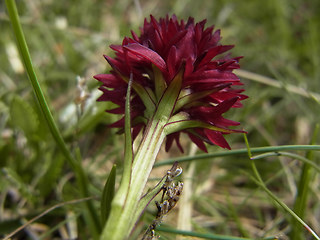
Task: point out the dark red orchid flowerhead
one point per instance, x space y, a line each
167 50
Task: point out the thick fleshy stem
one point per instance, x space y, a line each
123 214
121 220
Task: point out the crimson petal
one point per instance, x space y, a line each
173 46
109 80
216 138
198 142
148 54
214 52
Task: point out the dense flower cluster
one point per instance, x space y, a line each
164 49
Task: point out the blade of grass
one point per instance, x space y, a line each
283 205
258 180
240 152
205 235
235 216
46 235
274 83
287 154
300 204
75 165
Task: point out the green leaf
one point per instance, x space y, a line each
15 180
190 98
179 122
146 94
23 116
107 195
160 83
169 98
239 152
128 151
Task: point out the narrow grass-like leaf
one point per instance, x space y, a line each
234 214
258 180
107 195
284 206
238 152
274 83
13 14
178 123
300 204
182 101
53 229
75 165
169 97
147 96
128 153
160 83
291 155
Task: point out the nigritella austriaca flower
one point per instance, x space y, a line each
182 82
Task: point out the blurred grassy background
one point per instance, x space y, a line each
279 39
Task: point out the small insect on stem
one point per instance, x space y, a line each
171 193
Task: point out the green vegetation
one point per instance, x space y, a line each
57 179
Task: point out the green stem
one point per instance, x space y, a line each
75 165
123 217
